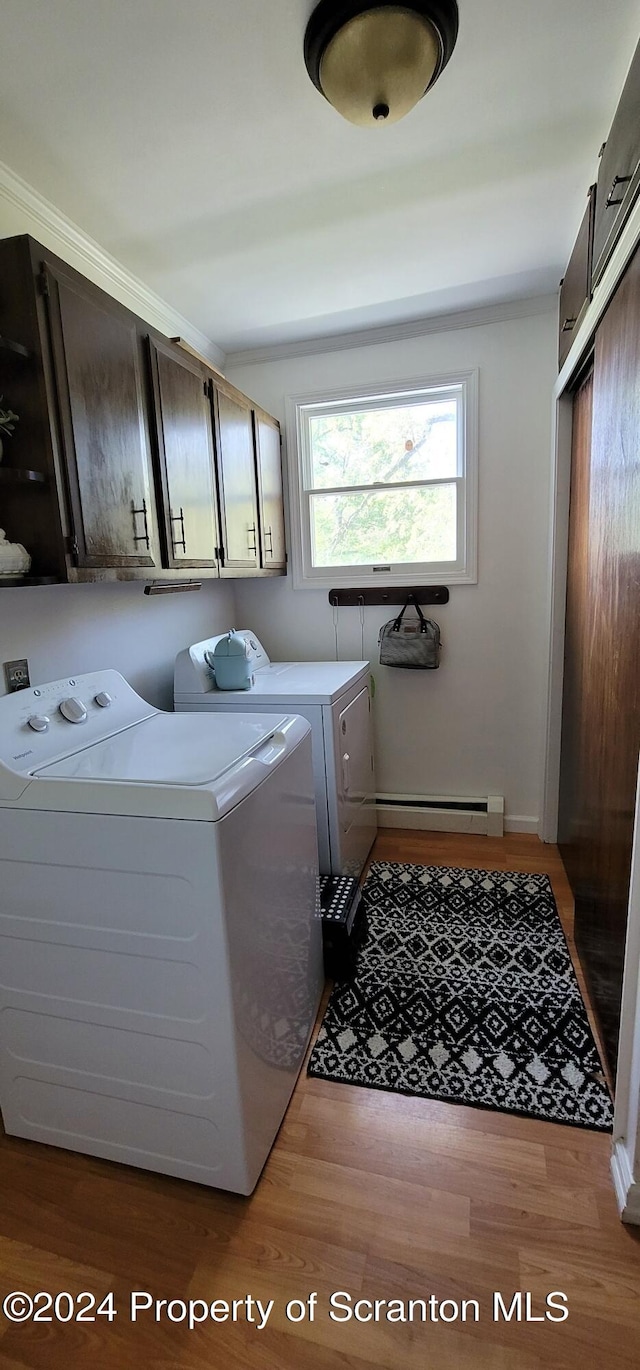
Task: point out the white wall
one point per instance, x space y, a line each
67 629
475 727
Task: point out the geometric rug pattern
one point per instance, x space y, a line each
464 991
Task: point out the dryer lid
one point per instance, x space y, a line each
287 684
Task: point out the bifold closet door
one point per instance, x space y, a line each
576 703
601 716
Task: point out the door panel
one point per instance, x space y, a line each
603 659
575 289
269 468
353 753
185 444
237 477
99 382
575 704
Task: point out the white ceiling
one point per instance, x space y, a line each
186 137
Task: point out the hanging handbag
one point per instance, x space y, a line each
414 645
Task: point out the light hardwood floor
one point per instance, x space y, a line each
378 1195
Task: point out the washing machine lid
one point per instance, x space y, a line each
170 766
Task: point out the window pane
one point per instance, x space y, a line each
416 441
384 526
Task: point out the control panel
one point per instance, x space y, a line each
41 725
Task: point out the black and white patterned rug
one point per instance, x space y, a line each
465 992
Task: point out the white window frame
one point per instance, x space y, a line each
302 407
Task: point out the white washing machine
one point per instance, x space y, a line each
334 696
160 949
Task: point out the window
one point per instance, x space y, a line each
384 485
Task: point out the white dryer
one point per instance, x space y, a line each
159 938
335 698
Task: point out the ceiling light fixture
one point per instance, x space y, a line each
373 60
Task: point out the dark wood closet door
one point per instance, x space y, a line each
104 428
575 704
602 691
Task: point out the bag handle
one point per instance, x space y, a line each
398 621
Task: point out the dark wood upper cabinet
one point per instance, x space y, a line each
619 174
270 501
237 479
186 459
575 289
99 385
132 460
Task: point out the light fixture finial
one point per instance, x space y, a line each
374 60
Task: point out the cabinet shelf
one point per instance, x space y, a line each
15 348
8 582
13 475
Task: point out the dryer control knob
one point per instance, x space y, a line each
103 700
73 710
39 723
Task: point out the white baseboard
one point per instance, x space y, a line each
443 820
521 823
431 820
627 1189
438 817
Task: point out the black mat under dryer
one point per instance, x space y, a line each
465 991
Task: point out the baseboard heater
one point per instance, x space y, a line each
440 813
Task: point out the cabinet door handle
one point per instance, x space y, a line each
253 547
617 181
269 535
568 326
140 537
178 542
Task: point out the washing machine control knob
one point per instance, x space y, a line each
103 700
73 710
39 723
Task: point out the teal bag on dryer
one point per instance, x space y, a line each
230 664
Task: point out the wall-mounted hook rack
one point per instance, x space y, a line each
421 594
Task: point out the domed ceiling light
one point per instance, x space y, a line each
373 60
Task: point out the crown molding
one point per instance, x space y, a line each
37 216
499 312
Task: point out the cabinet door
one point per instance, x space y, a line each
575 289
619 173
237 480
185 446
269 469
104 429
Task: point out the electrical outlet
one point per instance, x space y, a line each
16 674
